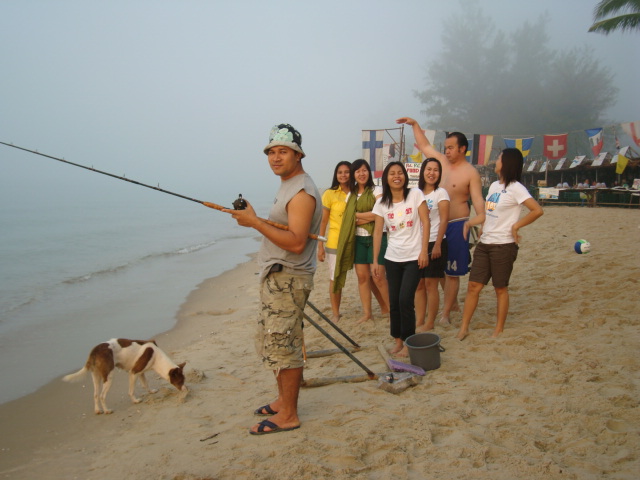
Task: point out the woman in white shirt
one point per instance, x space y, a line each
404 213
438 201
497 250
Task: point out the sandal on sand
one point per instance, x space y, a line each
274 428
268 411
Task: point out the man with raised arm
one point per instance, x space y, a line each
462 181
287 260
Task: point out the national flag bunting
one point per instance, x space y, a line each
372 150
621 164
577 161
555 146
388 154
431 136
482 151
416 157
595 139
633 130
522 144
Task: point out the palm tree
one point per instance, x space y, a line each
626 21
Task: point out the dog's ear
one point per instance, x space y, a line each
181 366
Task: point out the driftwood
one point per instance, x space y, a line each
385 354
331 351
320 382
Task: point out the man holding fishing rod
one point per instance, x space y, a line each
287 264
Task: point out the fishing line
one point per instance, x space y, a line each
239 204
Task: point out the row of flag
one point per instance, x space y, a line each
479 151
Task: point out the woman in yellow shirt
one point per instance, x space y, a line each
334 202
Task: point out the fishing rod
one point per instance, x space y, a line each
239 204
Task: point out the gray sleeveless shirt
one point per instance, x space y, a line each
271 254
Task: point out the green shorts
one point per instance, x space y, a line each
364 250
279 337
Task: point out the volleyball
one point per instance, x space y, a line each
582 246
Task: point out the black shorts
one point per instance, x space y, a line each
493 262
436 266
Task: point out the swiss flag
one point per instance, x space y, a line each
555 146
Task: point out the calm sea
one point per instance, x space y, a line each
75 273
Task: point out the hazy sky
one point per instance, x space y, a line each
184 93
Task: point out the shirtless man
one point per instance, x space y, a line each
462 181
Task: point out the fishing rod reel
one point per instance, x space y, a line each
239 203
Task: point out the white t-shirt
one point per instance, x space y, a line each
502 207
404 229
433 199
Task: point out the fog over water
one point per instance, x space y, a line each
183 94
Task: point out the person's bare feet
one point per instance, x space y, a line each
444 321
396 348
426 327
462 334
496 333
403 353
365 318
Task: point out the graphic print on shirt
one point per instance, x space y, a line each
492 202
396 220
430 203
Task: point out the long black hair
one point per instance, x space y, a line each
512 162
357 165
421 181
387 197
335 184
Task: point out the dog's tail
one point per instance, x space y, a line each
74 377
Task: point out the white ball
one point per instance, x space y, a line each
582 246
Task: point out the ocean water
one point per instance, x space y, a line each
75 273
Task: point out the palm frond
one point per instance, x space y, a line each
622 23
608 7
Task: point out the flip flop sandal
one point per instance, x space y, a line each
274 428
269 411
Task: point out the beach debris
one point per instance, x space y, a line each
195 375
320 382
397 382
398 366
213 435
330 351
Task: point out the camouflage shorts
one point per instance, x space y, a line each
279 337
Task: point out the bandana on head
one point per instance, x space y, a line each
285 135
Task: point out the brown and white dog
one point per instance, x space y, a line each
133 356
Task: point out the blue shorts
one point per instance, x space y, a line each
458 256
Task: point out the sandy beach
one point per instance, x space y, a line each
556 396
